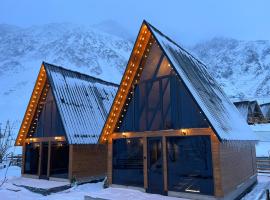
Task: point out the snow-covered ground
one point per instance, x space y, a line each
8 191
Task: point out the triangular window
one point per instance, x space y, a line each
159 100
46 121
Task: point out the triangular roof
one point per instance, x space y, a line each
222 115
265 108
248 107
83 103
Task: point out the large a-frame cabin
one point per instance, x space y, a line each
62 124
172 130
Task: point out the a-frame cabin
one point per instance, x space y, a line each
62 124
251 111
172 130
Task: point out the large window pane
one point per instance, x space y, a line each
59 160
31 158
190 164
128 162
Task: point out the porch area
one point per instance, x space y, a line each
46 159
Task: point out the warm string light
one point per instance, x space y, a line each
124 88
133 86
31 108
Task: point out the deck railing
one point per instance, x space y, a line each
263 165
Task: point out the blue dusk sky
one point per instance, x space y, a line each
187 21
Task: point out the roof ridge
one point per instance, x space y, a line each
79 74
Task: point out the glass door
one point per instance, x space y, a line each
155 165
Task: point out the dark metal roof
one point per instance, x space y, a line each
83 102
223 116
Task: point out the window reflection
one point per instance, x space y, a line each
128 162
190 164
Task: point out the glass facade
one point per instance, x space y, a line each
49 123
160 101
189 162
128 162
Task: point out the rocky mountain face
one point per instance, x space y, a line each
241 67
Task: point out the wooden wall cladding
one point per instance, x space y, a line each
88 162
238 161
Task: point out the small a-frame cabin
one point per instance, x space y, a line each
62 124
265 108
172 130
251 111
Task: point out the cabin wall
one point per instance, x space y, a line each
88 162
238 161
215 148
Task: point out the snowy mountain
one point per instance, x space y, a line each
22 50
241 67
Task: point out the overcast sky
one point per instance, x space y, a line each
187 21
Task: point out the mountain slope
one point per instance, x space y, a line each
83 49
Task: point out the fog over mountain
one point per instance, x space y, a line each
241 67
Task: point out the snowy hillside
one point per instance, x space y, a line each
85 49
241 67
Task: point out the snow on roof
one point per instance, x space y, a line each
83 102
265 108
224 117
245 107
261 127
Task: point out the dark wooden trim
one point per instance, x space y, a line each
23 158
49 159
39 159
145 171
70 162
165 167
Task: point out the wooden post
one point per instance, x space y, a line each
165 167
23 158
39 159
145 170
49 159
215 147
70 162
110 157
